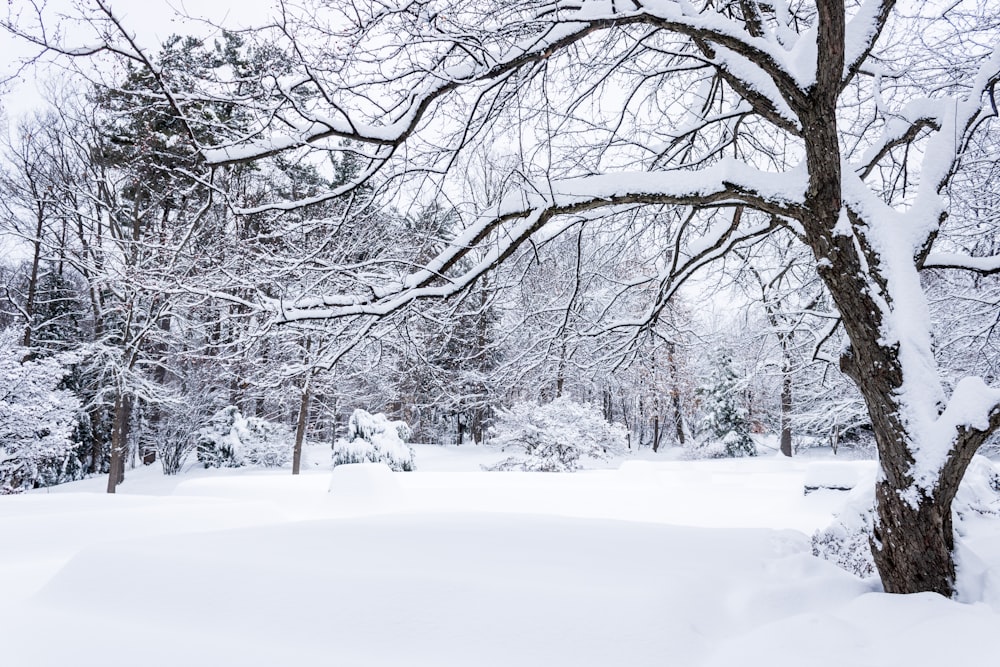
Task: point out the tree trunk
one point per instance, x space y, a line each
96 446
119 441
912 543
914 540
786 401
29 304
675 394
300 427
560 372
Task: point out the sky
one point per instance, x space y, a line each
152 21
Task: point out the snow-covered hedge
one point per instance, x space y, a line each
36 419
553 437
374 438
845 542
231 440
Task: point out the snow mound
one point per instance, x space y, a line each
830 475
640 472
369 486
480 589
873 629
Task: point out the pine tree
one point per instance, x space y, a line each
725 428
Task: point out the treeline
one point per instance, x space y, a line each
153 283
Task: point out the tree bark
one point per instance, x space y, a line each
913 539
36 257
300 427
119 441
786 401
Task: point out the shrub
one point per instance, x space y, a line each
231 440
553 437
374 438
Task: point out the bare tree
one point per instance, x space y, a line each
623 106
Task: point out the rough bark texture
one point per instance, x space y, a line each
786 400
119 441
914 539
913 543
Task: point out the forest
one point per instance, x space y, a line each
722 227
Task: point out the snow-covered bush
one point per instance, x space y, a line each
846 542
231 440
171 435
375 439
36 419
553 437
724 429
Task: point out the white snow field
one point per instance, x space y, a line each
657 562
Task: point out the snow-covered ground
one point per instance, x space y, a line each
652 562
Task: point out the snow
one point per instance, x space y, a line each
832 475
656 561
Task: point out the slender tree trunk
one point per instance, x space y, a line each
36 256
96 448
786 399
561 371
300 426
675 394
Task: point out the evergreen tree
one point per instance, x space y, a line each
36 420
725 428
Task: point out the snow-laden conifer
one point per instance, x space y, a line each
374 438
36 418
725 428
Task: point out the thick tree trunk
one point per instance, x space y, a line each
913 540
119 441
919 557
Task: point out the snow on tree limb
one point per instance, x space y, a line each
767 72
515 219
986 266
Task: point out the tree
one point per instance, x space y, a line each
36 419
746 116
231 440
374 438
725 428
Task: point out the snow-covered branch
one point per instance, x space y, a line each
515 219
